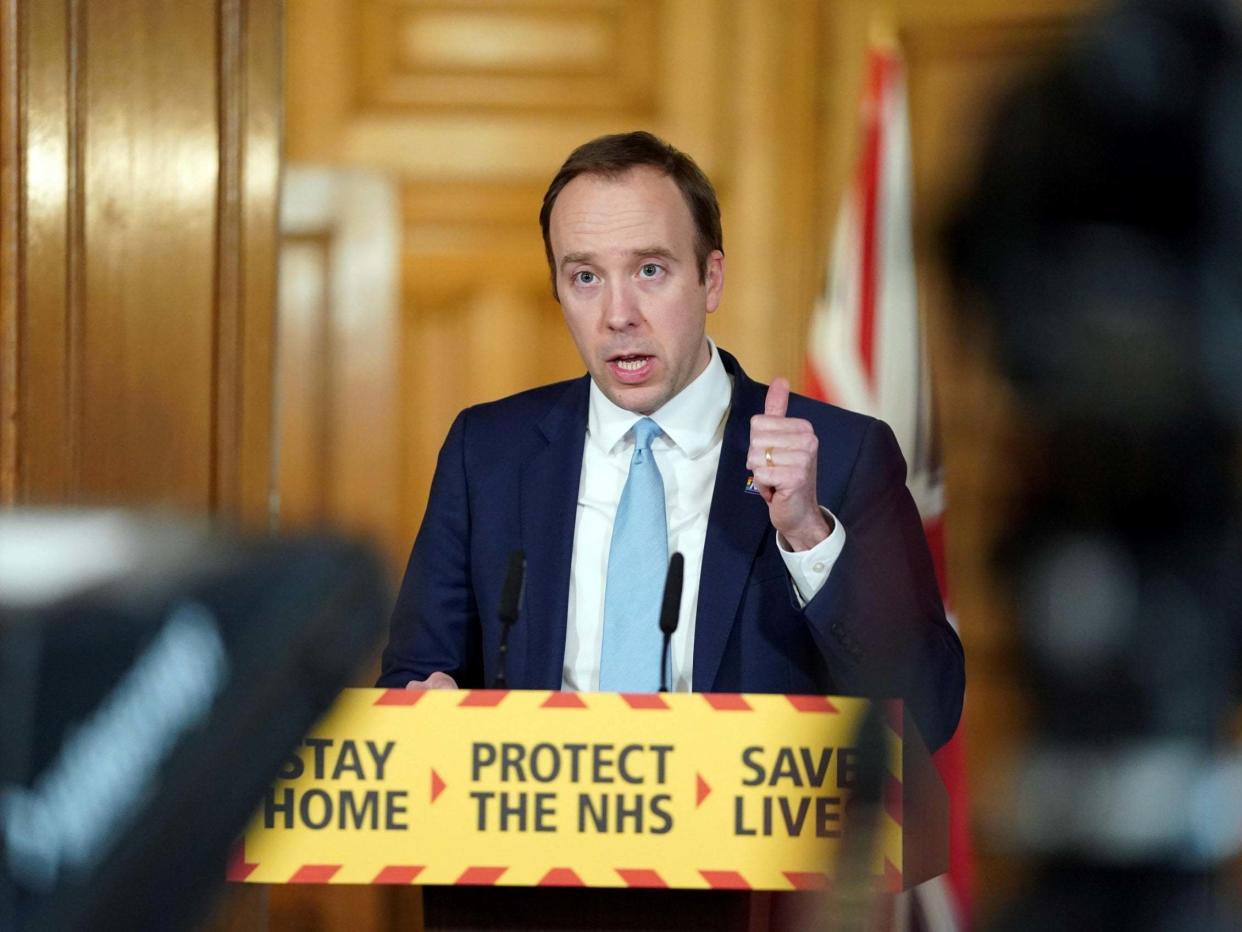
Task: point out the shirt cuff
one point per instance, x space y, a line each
809 569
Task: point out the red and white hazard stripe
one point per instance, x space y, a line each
867 353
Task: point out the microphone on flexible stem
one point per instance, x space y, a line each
669 611
510 605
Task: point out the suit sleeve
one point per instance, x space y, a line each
435 624
878 620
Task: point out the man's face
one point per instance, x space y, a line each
629 287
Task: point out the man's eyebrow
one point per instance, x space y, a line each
662 252
571 257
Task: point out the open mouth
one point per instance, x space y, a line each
631 368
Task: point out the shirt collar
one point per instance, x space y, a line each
693 419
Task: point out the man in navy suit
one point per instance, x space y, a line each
806 567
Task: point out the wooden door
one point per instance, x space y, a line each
137 233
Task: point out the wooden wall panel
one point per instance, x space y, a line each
42 155
523 55
150 165
10 222
337 432
303 377
769 186
252 110
140 142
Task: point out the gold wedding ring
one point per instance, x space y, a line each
767 456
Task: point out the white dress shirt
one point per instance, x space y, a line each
687 453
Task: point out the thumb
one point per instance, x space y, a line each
778 398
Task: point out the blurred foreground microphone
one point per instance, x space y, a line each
153 676
510 607
669 611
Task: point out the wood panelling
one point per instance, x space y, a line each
142 326
38 220
770 185
519 56
10 224
140 168
248 221
337 430
660 65
303 381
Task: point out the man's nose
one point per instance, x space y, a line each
621 307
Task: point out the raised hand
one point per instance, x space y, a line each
783 455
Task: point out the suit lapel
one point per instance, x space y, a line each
549 499
736 525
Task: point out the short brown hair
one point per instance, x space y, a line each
613 156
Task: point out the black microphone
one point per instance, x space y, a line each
670 610
510 605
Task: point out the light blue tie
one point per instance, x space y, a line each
637 564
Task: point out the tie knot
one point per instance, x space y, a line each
645 431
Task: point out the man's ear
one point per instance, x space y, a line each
714 279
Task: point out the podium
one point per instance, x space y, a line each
531 809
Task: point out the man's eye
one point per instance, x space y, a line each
584 277
649 270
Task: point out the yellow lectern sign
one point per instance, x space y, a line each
592 789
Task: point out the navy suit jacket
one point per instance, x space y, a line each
508 478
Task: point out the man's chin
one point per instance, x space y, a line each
642 399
